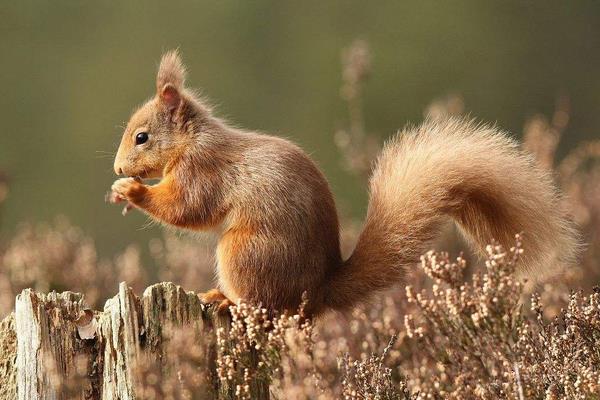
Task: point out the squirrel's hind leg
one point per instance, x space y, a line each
215 296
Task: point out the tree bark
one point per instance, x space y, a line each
55 348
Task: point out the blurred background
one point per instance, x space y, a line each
72 72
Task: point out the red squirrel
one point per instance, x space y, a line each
277 217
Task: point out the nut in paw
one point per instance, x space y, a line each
129 188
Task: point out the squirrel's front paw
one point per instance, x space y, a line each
130 189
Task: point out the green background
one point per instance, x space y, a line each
71 73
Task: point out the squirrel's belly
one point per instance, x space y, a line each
272 271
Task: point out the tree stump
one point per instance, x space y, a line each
54 347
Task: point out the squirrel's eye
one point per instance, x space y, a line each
141 138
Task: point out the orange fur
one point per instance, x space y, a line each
277 215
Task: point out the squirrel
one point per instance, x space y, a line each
279 230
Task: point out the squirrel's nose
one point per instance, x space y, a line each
118 170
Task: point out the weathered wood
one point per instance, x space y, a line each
65 351
8 358
46 342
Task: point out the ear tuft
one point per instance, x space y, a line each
170 72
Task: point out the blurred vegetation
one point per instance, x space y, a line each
73 71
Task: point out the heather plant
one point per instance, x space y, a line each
370 378
578 175
259 349
468 329
480 343
357 147
45 257
59 256
459 338
182 371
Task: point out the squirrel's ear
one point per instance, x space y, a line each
169 96
170 79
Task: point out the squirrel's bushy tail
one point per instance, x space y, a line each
472 173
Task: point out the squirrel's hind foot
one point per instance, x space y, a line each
215 296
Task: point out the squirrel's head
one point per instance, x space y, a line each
159 130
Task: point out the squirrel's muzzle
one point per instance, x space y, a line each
118 167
